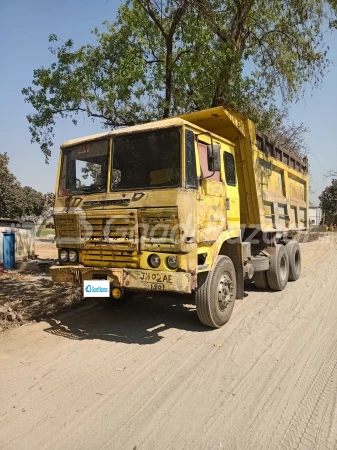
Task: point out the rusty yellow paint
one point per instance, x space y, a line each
157 280
128 278
166 123
268 195
58 172
78 273
217 120
159 230
270 190
67 230
62 275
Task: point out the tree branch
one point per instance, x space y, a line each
109 120
180 54
150 11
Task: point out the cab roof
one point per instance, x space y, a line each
133 129
165 123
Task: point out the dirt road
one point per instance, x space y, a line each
148 376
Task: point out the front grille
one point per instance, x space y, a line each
159 229
110 239
66 228
102 256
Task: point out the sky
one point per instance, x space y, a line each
24 29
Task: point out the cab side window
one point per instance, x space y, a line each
230 173
205 173
190 162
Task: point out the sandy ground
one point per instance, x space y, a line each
149 376
45 248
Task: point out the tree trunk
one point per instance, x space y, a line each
168 77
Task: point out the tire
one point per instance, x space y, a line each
278 272
260 263
294 255
260 280
113 303
216 293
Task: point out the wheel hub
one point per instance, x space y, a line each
225 292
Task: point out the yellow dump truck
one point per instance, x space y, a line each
193 204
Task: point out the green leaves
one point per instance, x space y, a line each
328 203
17 201
164 59
53 37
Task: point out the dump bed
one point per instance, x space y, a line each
273 182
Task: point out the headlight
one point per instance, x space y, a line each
72 256
64 255
153 260
172 262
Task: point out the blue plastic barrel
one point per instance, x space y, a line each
8 250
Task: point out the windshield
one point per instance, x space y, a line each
84 168
146 160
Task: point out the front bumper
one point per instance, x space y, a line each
148 280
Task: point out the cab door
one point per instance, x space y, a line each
228 174
211 203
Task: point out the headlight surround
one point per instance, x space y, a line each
153 261
64 255
172 262
72 256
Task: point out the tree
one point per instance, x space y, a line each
17 201
93 171
33 201
332 173
49 201
283 39
287 135
11 195
164 59
328 202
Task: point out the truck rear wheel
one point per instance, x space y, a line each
278 271
260 280
260 263
294 255
216 293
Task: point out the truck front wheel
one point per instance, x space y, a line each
216 293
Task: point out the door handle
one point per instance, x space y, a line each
228 204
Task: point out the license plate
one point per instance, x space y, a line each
157 280
155 277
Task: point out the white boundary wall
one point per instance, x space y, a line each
24 238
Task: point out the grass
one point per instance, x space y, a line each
45 232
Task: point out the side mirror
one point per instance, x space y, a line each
213 157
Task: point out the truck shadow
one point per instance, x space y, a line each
143 321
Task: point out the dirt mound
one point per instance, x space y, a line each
33 296
8 315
